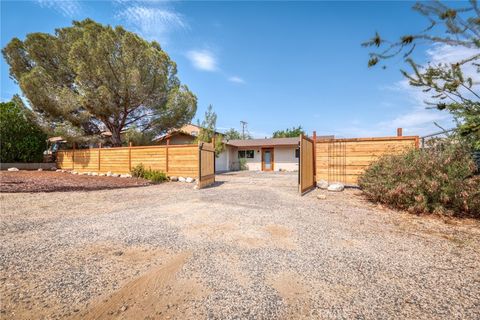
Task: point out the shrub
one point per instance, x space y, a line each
243 164
154 176
21 139
438 180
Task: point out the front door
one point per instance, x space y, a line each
267 159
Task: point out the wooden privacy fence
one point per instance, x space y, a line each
343 160
174 160
206 168
306 172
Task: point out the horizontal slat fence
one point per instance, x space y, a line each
357 153
174 160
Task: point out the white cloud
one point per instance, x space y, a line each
68 8
152 23
202 60
236 79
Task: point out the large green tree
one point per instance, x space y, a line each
208 130
456 25
289 133
89 77
21 140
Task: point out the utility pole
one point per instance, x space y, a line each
244 125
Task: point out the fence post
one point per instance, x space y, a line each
200 145
130 156
166 156
399 132
315 156
73 157
99 147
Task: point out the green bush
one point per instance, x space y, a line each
243 164
20 137
438 180
154 176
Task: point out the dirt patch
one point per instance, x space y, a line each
44 181
157 293
294 291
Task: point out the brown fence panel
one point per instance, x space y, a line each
174 160
344 160
306 172
206 170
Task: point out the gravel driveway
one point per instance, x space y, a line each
248 248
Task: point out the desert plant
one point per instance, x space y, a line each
138 171
437 180
243 164
154 176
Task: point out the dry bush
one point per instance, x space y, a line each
438 180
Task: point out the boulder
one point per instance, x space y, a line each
322 184
102 174
40 169
116 175
321 196
53 168
189 180
109 173
58 170
94 174
181 179
336 187
174 178
74 172
13 169
126 175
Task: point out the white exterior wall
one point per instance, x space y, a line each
222 161
284 158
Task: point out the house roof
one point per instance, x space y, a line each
268 142
263 142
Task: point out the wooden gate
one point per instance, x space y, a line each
306 171
206 166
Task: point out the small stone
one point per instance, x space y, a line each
109 173
181 179
40 169
336 187
13 169
321 196
322 184
116 175
53 168
74 172
126 175
118 253
189 180
102 174
174 178
124 308
58 170
94 174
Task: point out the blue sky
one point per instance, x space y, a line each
272 64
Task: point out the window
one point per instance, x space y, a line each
297 153
242 154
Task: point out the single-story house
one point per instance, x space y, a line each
269 154
274 154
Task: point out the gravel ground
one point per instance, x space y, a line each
47 181
247 248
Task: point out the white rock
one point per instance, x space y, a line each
58 170
74 172
53 168
189 180
83 173
94 174
322 184
116 175
336 187
173 178
109 173
102 174
126 175
181 179
13 169
321 196
40 169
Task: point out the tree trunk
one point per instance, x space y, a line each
116 138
